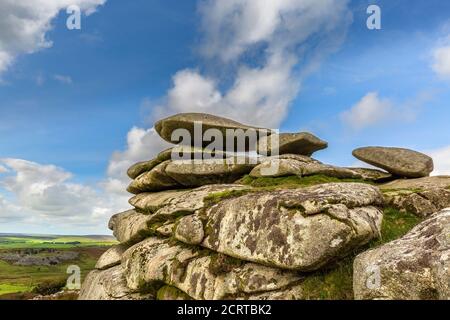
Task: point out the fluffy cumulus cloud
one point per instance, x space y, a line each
441 158
369 111
45 195
141 144
373 110
441 61
24 24
277 34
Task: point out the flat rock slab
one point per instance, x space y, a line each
191 201
200 173
302 167
150 202
109 284
111 257
154 180
302 143
186 121
175 153
401 162
422 203
441 182
200 274
414 267
301 229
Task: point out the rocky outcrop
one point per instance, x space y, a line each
302 143
215 225
415 267
401 162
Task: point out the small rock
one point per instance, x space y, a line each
153 180
190 230
111 257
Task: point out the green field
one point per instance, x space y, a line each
55 242
23 279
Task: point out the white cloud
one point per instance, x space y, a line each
441 61
259 94
373 110
275 31
370 110
24 25
3 169
63 79
141 145
441 158
45 195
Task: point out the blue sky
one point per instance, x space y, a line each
73 114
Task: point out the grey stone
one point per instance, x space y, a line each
167 126
153 180
398 161
109 284
302 143
111 257
200 173
200 276
130 226
414 267
297 229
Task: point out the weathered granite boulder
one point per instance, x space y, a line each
189 229
200 274
295 166
111 257
130 226
186 121
155 212
154 180
175 153
414 267
297 229
190 201
109 284
401 162
200 173
302 143
149 202
421 203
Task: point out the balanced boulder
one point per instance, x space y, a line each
187 121
302 143
401 162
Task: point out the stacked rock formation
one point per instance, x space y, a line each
197 232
